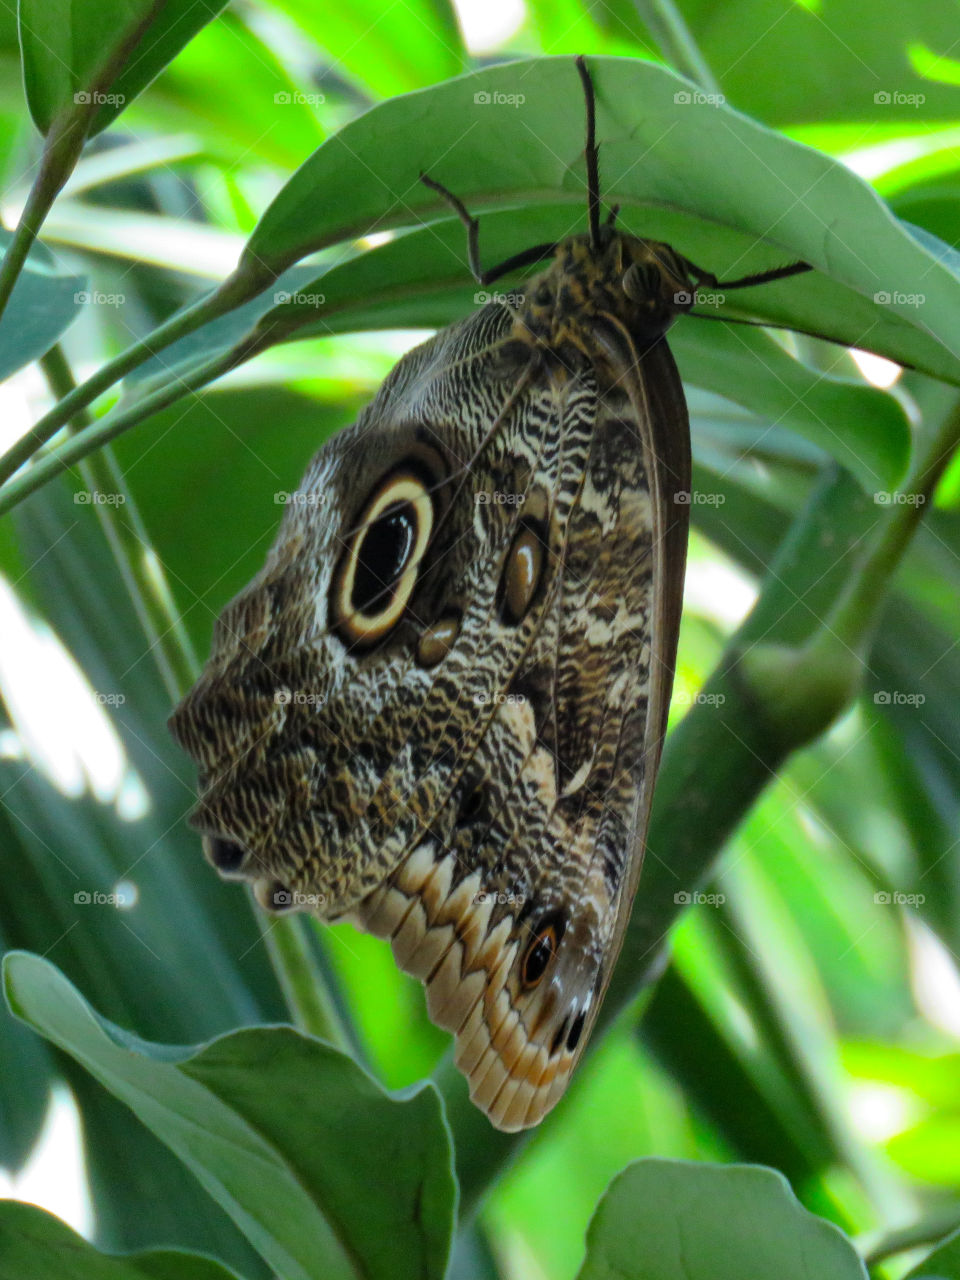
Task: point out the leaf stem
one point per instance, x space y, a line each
235 290
857 613
929 1230
120 420
675 41
305 985
62 148
60 154
147 587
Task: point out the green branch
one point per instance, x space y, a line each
146 584
59 158
122 419
234 291
930 1230
676 43
63 145
304 984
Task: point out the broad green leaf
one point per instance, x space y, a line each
289 1135
619 1107
388 50
229 87
100 52
697 176
404 284
676 1220
37 1245
56 844
144 1196
45 301
932 206
788 63
863 428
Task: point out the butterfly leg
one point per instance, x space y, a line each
538 252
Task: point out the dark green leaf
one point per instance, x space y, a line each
45 301
406 284
524 146
100 51
289 1135
942 1264
675 1220
34 1245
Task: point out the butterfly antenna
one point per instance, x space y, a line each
592 155
766 277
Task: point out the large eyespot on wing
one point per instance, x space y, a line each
378 569
540 950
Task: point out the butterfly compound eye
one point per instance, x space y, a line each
378 570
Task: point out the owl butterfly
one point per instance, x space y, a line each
438 709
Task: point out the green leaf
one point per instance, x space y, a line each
290 1136
696 176
45 301
761 1113
677 1220
100 52
387 50
400 284
847 60
942 1264
185 919
863 428
232 89
37 1245
24 1088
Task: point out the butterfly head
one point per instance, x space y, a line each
641 285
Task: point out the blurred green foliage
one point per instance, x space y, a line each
805 1014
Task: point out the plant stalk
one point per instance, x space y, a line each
234 291
120 420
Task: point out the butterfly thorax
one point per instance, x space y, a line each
642 285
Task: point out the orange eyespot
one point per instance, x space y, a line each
378 570
540 951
